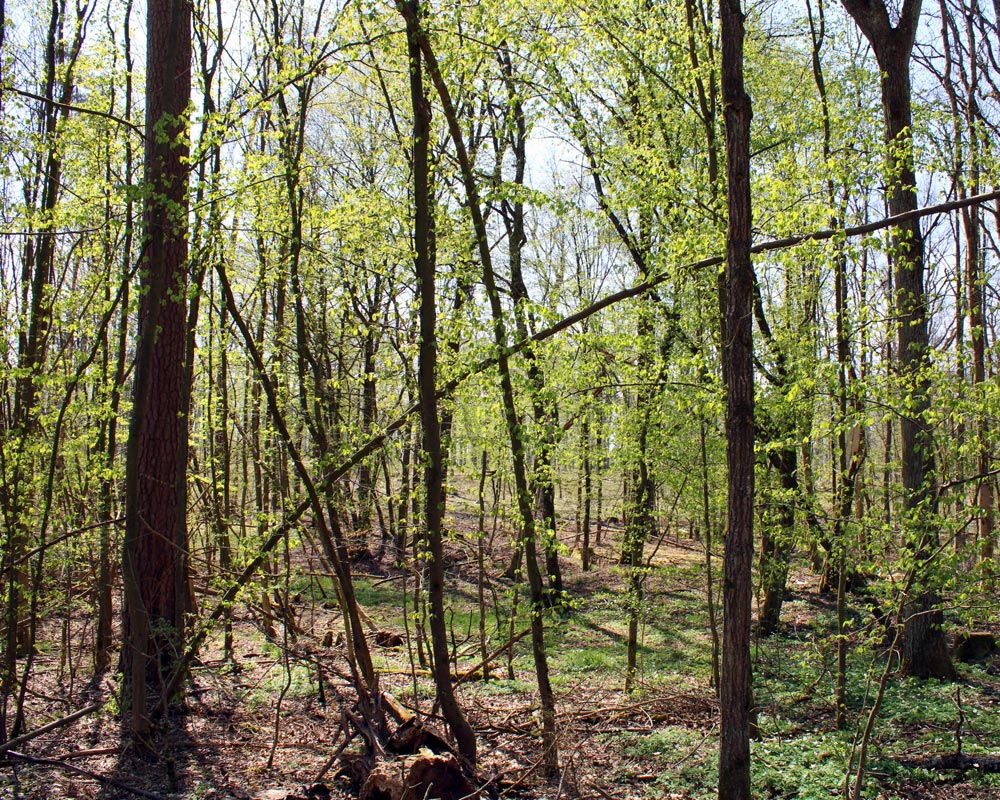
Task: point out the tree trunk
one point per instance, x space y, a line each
155 555
587 489
512 422
427 369
42 193
544 415
105 608
924 648
735 689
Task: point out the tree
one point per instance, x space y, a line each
511 420
925 648
430 420
736 695
154 564
969 48
42 194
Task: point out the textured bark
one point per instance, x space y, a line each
735 689
155 554
924 647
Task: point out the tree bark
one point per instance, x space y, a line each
735 689
155 553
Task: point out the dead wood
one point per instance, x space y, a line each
69 718
416 777
973 646
413 736
957 761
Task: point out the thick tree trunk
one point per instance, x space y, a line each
735 694
155 554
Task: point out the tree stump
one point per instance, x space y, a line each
416 777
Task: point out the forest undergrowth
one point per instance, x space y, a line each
267 724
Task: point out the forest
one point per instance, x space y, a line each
546 400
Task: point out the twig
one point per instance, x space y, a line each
97 751
51 762
336 754
694 750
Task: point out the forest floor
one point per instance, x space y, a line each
267 723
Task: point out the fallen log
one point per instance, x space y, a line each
956 761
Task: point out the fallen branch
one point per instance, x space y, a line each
97 751
959 761
51 762
500 650
27 737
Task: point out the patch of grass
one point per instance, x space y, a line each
385 596
673 635
509 687
263 693
809 766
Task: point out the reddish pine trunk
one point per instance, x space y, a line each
155 568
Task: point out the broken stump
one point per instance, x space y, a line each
419 776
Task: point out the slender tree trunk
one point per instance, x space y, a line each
513 424
587 489
106 496
775 545
42 193
544 416
481 566
967 126
924 648
706 519
736 695
430 420
221 464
